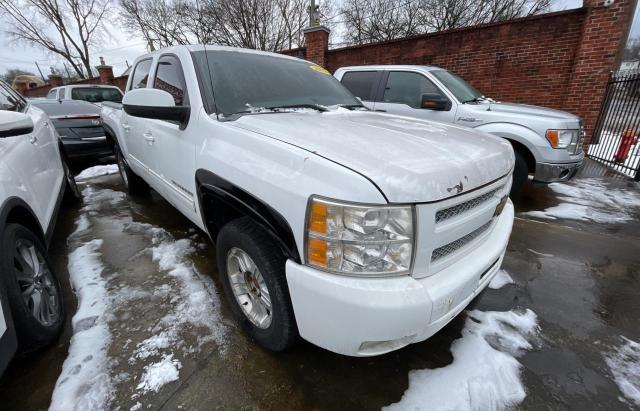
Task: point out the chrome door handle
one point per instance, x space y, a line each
46 124
149 137
126 127
33 139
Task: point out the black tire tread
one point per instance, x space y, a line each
136 184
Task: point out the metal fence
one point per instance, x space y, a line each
615 137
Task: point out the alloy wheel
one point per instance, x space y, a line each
249 288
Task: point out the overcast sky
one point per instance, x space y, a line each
118 47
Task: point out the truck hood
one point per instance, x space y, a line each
522 112
409 160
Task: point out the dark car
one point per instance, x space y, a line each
78 123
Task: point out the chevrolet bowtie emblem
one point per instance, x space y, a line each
458 187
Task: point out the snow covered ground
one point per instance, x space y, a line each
591 200
107 339
501 279
624 363
610 142
484 374
97 171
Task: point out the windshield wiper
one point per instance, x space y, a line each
476 100
311 106
353 106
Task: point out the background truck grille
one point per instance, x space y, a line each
461 208
454 246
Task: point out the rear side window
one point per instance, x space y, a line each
407 88
96 94
140 74
361 83
170 78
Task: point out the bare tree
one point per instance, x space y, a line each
380 20
64 27
162 23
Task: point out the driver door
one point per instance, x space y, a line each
403 94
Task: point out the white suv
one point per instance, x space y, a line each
33 180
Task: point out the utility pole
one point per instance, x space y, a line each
40 71
313 14
67 70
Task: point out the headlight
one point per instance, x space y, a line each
354 239
562 138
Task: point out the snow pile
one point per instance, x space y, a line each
158 374
624 363
97 171
484 374
84 382
501 279
590 199
97 200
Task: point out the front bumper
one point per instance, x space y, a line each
552 172
94 147
371 316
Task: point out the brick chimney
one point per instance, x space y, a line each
317 44
55 80
105 72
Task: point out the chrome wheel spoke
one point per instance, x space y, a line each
249 288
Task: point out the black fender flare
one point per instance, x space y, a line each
222 201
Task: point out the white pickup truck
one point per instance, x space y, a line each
359 231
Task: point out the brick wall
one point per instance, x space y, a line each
560 60
106 77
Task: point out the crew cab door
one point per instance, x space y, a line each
33 158
363 84
172 157
135 128
409 93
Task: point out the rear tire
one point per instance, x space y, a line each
71 192
264 282
33 291
520 174
132 182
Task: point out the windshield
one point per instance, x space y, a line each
248 82
96 94
462 90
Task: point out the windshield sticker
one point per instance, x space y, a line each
319 69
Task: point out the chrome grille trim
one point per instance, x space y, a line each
454 246
450 212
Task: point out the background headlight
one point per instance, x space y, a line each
562 138
353 239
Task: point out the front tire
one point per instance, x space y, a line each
33 291
132 182
252 268
520 174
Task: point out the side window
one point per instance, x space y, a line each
361 83
170 78
407 88
52 94
140 74
10 100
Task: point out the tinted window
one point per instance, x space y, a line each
141 74
96 94
407 88
460 88
170 78
245 82
361 83
52 94
66 107
10 100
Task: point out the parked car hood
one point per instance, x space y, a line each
409 160
519 113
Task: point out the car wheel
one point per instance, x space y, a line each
33 290
71 191
253 276
520 174
133 183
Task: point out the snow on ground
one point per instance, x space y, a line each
97 171
624 362
590 199
84 382
501 279
158 374
484 374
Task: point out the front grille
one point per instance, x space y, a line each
461 208
454 246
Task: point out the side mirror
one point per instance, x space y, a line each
14 124
155 104
435 102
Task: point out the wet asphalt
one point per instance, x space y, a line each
581 279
